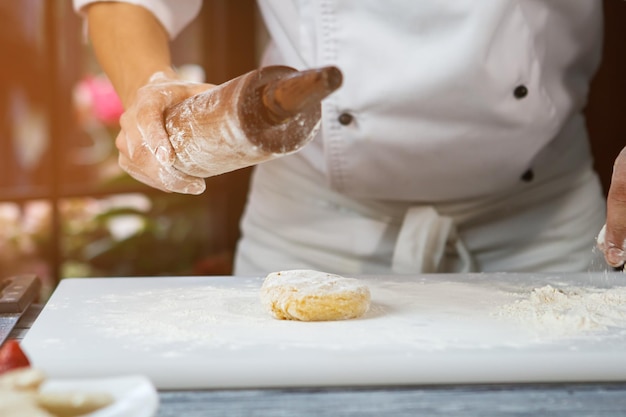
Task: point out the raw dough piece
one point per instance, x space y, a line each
71 404
23 379
20 396
308 295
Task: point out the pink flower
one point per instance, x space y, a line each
97 93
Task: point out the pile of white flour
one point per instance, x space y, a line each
554 313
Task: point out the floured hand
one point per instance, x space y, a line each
612 238
145 151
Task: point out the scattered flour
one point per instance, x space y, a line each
175 316
409 316
556 313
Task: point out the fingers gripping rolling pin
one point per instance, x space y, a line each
253 118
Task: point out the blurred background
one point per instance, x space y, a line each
67 210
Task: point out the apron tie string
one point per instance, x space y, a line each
428 243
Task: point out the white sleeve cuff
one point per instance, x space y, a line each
174 15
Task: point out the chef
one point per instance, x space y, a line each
457 142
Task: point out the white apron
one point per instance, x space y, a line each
427 175
293 220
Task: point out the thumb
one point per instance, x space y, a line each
615 237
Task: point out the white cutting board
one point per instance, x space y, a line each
211 332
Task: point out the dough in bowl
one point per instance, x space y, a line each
308 295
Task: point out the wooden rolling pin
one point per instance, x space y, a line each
261 115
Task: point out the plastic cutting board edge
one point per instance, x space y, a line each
211 332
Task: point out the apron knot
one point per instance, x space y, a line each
428 243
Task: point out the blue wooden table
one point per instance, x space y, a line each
553 400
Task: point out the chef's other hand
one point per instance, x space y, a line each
145 151
612 238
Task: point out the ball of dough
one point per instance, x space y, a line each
308 295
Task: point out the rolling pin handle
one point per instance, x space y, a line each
295 93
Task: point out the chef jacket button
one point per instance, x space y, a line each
345 118
520 91
528 176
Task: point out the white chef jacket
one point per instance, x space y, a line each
459 123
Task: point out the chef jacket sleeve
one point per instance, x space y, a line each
174 15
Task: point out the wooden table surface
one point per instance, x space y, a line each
536 400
